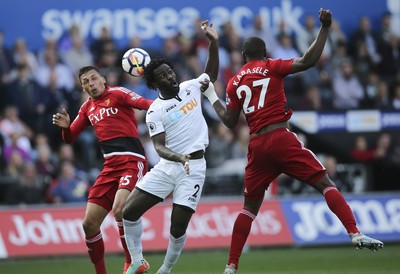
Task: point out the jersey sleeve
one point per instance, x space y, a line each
281 67
154 121
232 100
81 121
134 100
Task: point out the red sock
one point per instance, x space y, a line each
241 231
95 247
338 205
123 242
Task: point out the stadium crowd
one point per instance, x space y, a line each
360 70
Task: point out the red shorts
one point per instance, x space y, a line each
275 152
113 177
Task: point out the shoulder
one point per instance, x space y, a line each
195 81
117 90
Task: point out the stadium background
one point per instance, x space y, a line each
371 186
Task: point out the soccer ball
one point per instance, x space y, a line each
134 61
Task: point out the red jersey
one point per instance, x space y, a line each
258 90
113 119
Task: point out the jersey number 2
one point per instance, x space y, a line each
247 90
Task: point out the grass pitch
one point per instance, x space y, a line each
282 260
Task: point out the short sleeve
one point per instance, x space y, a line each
154 121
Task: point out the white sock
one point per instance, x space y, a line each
175 247
133 238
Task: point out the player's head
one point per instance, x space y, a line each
159 74
254 49
92 81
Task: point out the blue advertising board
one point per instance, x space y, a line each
312 223
151 21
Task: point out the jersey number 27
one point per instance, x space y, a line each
247 90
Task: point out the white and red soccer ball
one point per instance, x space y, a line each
134 60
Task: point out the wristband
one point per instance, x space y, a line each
210 94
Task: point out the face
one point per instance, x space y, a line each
165 80
93 83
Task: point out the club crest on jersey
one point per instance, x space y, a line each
188 91
107 102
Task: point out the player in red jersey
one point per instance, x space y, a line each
258 90
110 110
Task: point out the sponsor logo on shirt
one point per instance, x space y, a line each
101 114
184 110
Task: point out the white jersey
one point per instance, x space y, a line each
181 118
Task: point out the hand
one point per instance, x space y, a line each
204 85
210 32
325 17
62 119
185 162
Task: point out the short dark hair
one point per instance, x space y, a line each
83 70
254 48
148 74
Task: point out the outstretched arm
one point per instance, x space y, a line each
212 65
312 55
229 117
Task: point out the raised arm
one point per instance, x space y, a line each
312 55
229 117
212 65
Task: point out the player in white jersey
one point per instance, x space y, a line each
180 136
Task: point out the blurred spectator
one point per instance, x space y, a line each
260 28
109 56
98 44
66 40
363 62
371 89
347 89
10 124
382 99
53 70
78 55
6 65
22 55
29 98
311 100
364 34
66 153
241 142
360 151
338 177
29 188
67 187
50 45
336 34
390 58
285 48
219 148
236 63
383 145
10 148
396 97
44 163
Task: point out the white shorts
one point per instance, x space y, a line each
170 177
